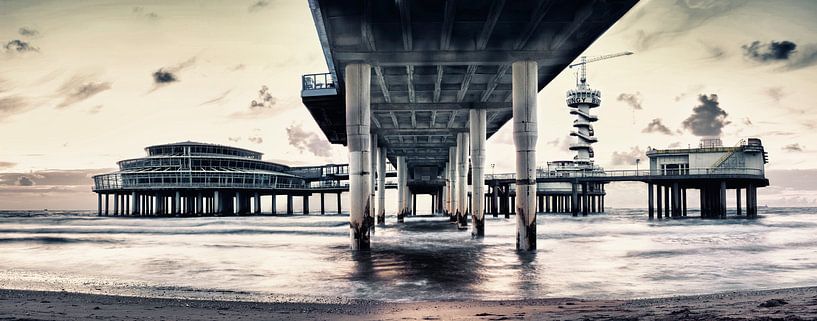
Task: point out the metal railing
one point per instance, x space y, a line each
180 180
317 81
644 173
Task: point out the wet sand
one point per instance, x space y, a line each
782 304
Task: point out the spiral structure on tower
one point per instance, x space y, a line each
581 100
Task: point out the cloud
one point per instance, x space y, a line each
166 75
217 100
781 51
263 106
793 148
656 126
707 119
12 105
141 11
303 140
79 88
627 157
747 121
806 56
714 52
95 110
234 139
4 165
19 46
28 32
74 177
681 18
775 93
634 100
258 6
772 51
256 139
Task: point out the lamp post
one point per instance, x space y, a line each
492 169
637 160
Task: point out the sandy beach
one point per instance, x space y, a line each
780 304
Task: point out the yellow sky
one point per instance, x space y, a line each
84 95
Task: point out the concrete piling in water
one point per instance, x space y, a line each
524 90
463 142
381 185
358 118
478 136
401 188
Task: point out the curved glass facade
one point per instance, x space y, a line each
191 165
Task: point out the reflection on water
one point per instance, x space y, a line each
616 255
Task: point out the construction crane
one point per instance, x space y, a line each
582 80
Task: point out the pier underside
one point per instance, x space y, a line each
427 82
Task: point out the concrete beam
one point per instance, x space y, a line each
441 106
448 23
405 23
381 82
494 82
466 82
452 58
490 23
438 83
410 83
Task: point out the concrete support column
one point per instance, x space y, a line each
373 173
585 199
340 205
452 176
667 203
722 200
737 202
381 185
323 204
650 201
658 203
161 204
676 204
684 202
239 203
306 205
751 201
574 199
401 188
99 204
116 204
444 190
463 142
177 203
289 204
477 137
218 203
525 87
257 202
358 127
413 204
274 204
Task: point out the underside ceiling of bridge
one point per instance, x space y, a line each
433 60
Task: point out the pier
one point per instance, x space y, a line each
194 179
425 84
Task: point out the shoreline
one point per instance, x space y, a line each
776 304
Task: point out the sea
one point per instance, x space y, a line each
306 258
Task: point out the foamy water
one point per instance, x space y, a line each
620 254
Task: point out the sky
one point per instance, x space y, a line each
85 84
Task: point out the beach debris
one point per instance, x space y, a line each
773 303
